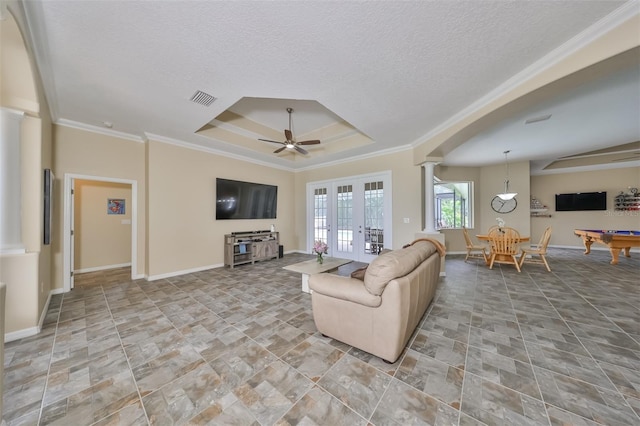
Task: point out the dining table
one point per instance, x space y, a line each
501 257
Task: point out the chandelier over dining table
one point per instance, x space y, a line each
506 195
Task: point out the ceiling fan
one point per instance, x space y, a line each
289 143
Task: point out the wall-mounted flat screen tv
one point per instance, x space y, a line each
580 201
245 200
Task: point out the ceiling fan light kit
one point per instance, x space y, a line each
289 142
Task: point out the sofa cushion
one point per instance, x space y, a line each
342 288
359 273
397 263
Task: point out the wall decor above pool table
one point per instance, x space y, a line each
628 201
615 240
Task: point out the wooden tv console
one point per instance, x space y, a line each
250 247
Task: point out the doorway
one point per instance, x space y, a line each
69 249
351 215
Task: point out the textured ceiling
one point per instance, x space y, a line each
383 73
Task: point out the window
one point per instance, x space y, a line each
320 215
453 204
374 217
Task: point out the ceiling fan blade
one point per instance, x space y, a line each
288 135
300 150
267 140
280 149
313 142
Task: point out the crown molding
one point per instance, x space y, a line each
189 145
101 130
571 46
586 169
356 158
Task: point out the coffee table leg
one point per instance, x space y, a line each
305 283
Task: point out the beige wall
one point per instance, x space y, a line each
407 193
491 183
544 188
613 181
88 154
407 198
27 276
101 240
20 273
183 233
488 181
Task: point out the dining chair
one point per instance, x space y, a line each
505 245
540 250
491 228
475 251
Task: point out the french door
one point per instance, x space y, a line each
351 215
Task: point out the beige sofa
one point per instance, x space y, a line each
379 314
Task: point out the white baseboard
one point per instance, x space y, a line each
21 334
101 268
32 331
198 269
183 272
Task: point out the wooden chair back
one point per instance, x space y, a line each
467 238
491 228
474 251
544 241
504 241
528 254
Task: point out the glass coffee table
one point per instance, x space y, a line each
310 267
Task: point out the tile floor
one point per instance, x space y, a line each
240 347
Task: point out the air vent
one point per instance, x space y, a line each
202 98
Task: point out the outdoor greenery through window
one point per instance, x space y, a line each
453 204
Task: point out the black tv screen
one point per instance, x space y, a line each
245 200
580 201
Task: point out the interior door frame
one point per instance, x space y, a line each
331 185
67 256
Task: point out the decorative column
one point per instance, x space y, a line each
429 195
430 230
10 182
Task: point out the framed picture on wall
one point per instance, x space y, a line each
115 206
48 205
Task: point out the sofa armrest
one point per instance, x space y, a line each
344 288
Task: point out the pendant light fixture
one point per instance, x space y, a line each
506 195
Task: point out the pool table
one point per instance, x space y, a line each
615 240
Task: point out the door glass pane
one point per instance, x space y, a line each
320 215
345 218
373 217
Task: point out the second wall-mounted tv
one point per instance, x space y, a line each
245 200
580 201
